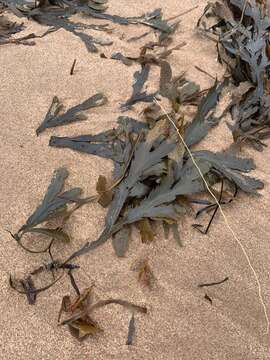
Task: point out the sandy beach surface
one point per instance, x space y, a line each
180 324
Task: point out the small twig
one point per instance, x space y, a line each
207 297
73 283
72 67
204 72
213 283
182 13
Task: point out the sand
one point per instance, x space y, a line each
180 324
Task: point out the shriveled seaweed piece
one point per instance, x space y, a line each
145 274
241 30
204 120
120 241
177 89
16 285
232 168
105 150
53 119
105 144
152 19
81 322
29 287
124 59
54 204
105 194
174 228
131 330
146 58
8 28
146 231
176 234
140 77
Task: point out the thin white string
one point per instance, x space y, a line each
223 215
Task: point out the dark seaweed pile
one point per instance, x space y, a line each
242 30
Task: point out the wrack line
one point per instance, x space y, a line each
223 215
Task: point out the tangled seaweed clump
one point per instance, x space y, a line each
154 180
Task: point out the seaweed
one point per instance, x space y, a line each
74 114
8 28
232 167
158 182
55 14
140 77
145 274
53 205
240 29
80 321
154 179
131 330
105 193
204 120
144 57
107 144
29 287
120 241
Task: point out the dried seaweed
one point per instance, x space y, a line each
145 274
17 286
204 120
131 330
146 231
8 28
152 19
120 241
105 193
81 322
243 48
55 14
140 77
232 167
53 205
29 287
156 180
145 57
74 114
